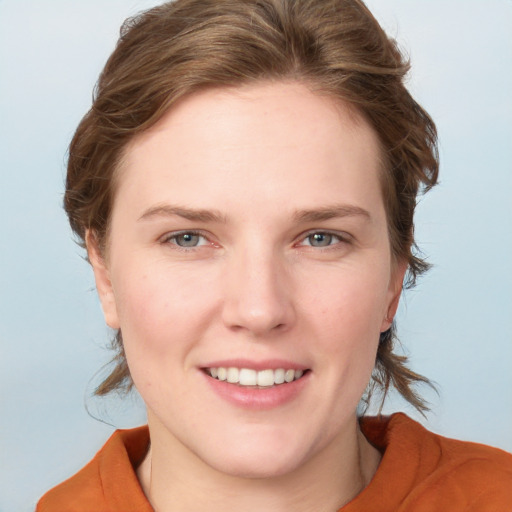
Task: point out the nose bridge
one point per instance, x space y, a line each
258 294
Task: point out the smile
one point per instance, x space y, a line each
249 377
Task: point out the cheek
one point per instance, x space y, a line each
162 311
346 311
349 301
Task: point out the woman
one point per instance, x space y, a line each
245 185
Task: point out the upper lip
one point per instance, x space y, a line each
267 364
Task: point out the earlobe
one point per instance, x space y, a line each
102 278
395 292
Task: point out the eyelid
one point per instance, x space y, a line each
343 237
166 239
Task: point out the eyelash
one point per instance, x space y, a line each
342 238
167 239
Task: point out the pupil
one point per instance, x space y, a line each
187 240
320 239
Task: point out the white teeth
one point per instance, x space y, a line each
232 375
249 377
279 376
266 378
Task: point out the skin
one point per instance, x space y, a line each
256 286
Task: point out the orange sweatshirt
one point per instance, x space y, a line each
419 472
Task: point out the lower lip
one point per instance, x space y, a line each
258 398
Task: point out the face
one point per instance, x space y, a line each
249 270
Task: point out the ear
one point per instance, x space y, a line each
394 294
102 278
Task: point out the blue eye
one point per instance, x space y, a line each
320 239
186 239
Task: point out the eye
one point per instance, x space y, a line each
186 239
322 239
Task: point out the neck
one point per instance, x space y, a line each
173 480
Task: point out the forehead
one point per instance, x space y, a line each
263 138
260 109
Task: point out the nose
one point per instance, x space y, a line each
258 294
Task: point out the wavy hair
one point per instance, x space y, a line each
335 47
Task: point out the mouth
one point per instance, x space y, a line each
247 377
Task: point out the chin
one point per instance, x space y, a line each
266 458
242 467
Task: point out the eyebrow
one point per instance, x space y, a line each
194 215
331 212
201 215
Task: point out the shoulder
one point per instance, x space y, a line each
432 471
107 482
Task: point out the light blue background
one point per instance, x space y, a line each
457 325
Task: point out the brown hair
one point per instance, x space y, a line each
336 47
